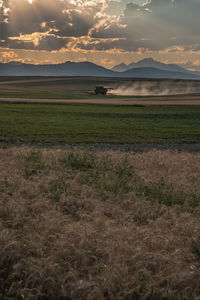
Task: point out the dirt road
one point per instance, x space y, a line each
144 101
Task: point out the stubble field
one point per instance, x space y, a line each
125 91
83 224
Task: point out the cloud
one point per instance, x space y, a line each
191 65
105 25
155 25
60 19
38 41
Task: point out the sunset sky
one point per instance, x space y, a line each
104 32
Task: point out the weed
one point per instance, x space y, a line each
196 248
197 252
78 161
123 177
153 295
163 192
124 169
99 269
112 179
5 184
184 297
57 187
193 200
34 163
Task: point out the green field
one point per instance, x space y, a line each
42 123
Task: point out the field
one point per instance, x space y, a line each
51 88
81 89
82 219
173 119
61 124
86 225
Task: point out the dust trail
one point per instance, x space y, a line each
156 88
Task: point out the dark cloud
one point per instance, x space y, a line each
125 25
155 25
60 18
45 42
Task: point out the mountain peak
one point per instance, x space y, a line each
122 65
146 60
151 63
120 68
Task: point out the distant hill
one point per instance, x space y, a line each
155 73
151 63
143 69
64 69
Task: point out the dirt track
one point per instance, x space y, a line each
146 101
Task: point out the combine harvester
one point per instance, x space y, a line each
101 90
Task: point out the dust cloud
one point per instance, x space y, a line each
156 88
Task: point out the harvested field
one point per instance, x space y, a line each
126 91
84 225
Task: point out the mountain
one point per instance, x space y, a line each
151 63
122 68
155 73
65 69
91 69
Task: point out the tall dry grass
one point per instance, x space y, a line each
99 225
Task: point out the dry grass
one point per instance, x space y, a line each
99 225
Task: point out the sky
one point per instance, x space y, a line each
106 32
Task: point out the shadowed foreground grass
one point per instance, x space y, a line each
99 225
